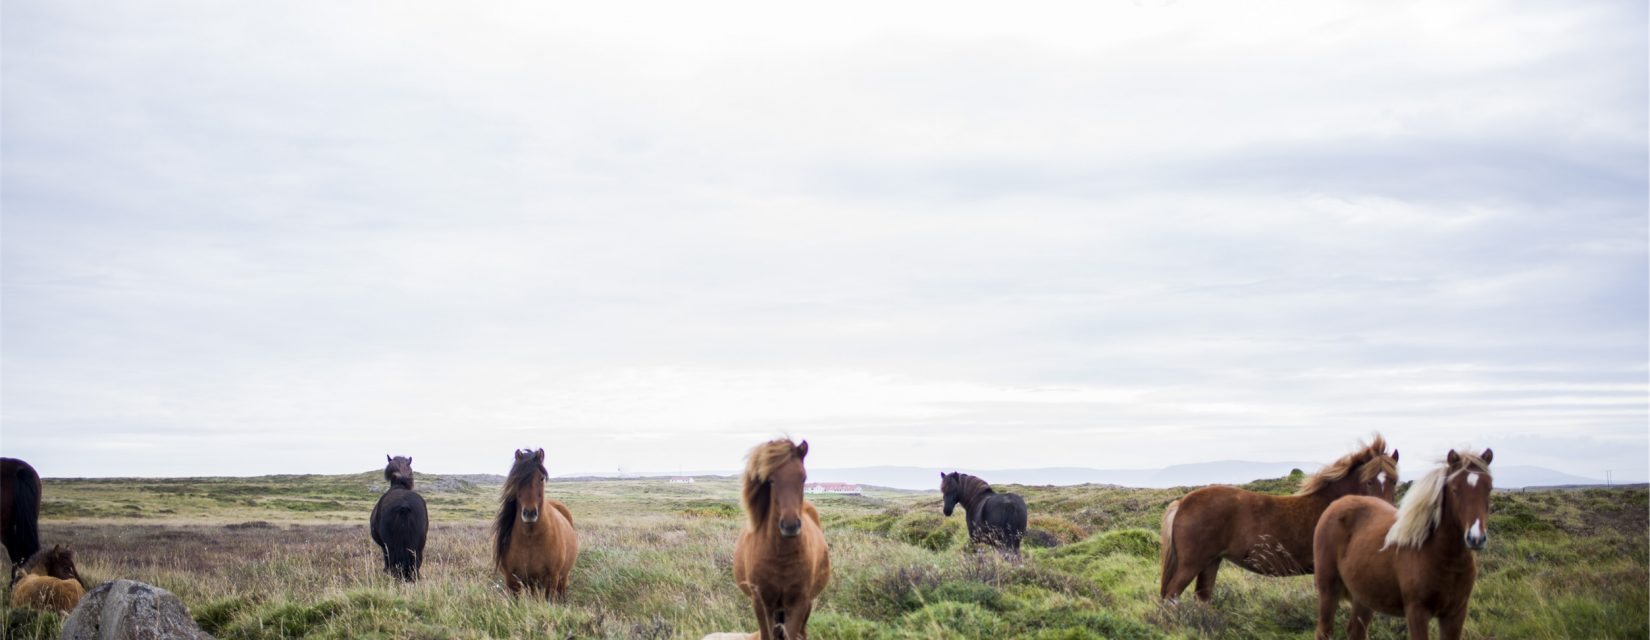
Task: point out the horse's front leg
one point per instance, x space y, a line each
764 626
1416 618
1450 624
513 584
796 619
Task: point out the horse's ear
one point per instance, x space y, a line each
1394 455
409 461
802 450
1488 456
387 458
538 456
1454 459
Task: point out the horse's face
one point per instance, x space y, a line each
1469 497
398 470
530 495
785 490
1383 483
949 485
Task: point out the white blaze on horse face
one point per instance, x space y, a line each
1381 478
1477 530
1472 479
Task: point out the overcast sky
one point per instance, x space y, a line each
246 238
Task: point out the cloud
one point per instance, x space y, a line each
1030 239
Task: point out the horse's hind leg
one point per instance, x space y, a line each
1175 584
1206 581
1329 599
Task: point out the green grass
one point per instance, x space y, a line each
290 557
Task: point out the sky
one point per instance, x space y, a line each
249 238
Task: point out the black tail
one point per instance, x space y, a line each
403 535
1016 522
22 534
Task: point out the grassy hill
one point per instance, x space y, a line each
289 556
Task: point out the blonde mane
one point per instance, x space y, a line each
760 464
1423 505
1374 452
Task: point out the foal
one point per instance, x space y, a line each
48 581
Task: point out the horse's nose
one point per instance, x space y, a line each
530 515
1477 536
790 528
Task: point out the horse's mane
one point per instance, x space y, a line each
971 487
760 464
505 522
1374 452
389 474
1423 506
56 562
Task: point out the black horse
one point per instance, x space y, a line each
996 519
400 522
19 510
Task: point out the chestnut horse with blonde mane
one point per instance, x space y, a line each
1269 535
1416 561
534 545
781 560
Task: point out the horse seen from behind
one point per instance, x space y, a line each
1269 535
400 522
47 581
1416 560
534 545
19 510
995 519
781 560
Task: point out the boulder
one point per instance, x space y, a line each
130 610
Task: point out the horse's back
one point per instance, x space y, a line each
46 593
1352 521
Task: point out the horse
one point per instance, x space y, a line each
19 510
1269 535
1416 560
996 519
781 560
400 523
534 545
48 581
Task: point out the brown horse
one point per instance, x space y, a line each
19 510
1269 535
1416 560
534 545
781 560
48 581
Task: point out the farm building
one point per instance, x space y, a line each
838 488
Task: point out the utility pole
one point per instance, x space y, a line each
1607 481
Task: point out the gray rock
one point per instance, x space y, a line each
130 610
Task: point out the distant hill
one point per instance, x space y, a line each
1180 475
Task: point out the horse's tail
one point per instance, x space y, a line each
404 538
1167 553
23 537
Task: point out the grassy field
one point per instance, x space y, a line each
289 556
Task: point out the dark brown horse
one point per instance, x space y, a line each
781 560
400 522
47 581
1269 535
19 510
995 519
534 545
1416 561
